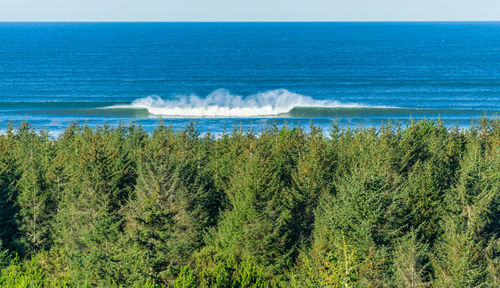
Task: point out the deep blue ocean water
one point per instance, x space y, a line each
247 74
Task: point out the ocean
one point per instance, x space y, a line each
248 75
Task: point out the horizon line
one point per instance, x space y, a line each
250 21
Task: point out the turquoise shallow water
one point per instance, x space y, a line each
247 74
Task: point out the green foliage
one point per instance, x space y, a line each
9 175
32 273
4 257
228 273
417 206
27 274
175 201
467 253
265 221
409 262
337 267
35 201
185 279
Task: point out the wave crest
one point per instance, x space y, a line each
221 103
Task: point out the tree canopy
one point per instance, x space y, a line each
414 206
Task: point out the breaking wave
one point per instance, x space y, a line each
221 103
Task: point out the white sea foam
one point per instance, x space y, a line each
221 103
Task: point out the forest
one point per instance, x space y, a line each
394 206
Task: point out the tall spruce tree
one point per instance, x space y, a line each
99 177
9 175
175 202
462 256
263 224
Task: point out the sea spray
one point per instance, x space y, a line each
221 103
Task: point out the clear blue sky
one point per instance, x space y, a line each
249 10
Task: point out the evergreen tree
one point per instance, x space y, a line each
263 224
409 262
175 202
89 220
462 259
119 207
9 175
35 202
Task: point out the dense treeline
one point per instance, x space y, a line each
417 206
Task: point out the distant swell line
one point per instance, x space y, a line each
279 103
221 103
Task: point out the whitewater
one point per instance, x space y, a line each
221 103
